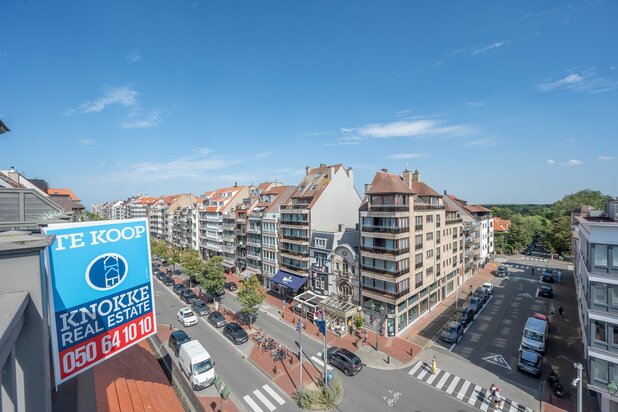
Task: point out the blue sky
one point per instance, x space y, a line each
496 102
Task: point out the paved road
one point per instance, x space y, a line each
238 373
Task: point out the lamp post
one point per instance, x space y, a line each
380 320
580 368
612 388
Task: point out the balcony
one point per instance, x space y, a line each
428 207
240 232
269 260
418 246
254 242
229 249
385 229
390 251
254 255
389 208
294 222
291 237
210 218
384 271
453 221
294 266
418 227
294 208
254 229
394 295
269 246
229 226
294 252
241 220
229 238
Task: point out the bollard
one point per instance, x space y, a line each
170 326
434 365
275 369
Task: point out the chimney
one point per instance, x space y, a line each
385 170
307 170
322 164
341 228
407 178
367 187
350 173
416 176
444 192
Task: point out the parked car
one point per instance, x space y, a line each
343 359
187 296
200 307
489 287
546 291
475 304
482 294
177 339
235 333
216 319
231 286
452 332
187 317
168 281
542 317
466 316
502 271
548 276
530 361
179 288
160 275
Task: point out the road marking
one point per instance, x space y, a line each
453 384
423 373
252 403
264 400
273 394
443 380
320 362
498 360
415 368
475 394
484 404
525 295
463 390
433 377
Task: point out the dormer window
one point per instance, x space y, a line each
320 242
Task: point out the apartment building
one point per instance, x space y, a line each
156 219
119 210
139 207
595 249
324 199
179 216
410 250
478 233
218 204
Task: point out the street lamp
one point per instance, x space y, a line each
612 388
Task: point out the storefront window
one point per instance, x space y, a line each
402 320
390 309
433 298
413 313
391 327
449 287
424 305
412 299
402 306
599 370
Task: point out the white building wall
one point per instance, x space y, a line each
338 204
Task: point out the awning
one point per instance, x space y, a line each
289 280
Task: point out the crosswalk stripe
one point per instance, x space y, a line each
454 383
252 403
433 377
422 374
264 400
415 368
484 405
443 380
474 395
320 362
273 394
463 390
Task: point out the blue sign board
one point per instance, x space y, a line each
101 291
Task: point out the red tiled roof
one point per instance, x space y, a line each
450 208
148 200
384 182
501 225
423 189
65 192
476 208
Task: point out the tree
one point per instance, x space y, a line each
559 235
159 248
192 263
211 277
251 294
174 255
568 203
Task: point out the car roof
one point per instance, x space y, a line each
216 313
487 284
179 334
185 310
530 355
452 324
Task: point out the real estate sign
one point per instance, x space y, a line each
101 295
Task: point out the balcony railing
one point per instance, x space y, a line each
418 265
254 256
229 226
294 252
294 266
428 207
386 271
294 222
254 229
390 251
394 295
254 242
418 227
389 208
295 208
418 246
453 221
292 237
385 229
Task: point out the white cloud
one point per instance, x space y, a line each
482 143
551 162
138 119
475 104
413 128
585 81
347 139
572 163
407 155
403 113
316 134
570 140
124 96
86 141
485 49
134 56
606 157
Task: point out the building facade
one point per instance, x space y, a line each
595 248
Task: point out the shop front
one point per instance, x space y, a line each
306 305
287 284
339 315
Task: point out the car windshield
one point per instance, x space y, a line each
188 314
533 335
235 328
217 316
202 367
450 329
529 358
190 294
182 338
200 305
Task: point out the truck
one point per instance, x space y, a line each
196 365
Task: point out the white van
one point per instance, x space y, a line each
196 364
535 334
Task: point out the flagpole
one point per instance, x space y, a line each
300 330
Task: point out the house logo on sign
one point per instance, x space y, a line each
287 279
106 271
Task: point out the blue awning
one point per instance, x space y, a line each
289 280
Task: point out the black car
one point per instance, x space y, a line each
530 361
216 319
160 275
187 295
200 307
503 271
466 316
548 277
231 286
475 304
168 281
546 291
177 338
179 288
235 333
343 359
452 332
482 294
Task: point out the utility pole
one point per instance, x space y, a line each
579 368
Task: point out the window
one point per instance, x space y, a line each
418 260
320 242
344 266
599 294
599 255
599 331
418 280
615 335
429 253
429 271
615 257
428 218
320 258
418 241
429 236
600 370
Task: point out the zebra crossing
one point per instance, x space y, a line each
466 391
317 359
535 258
259 402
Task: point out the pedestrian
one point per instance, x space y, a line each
559 276
491 391
496 397
350 328
532 271
560 311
